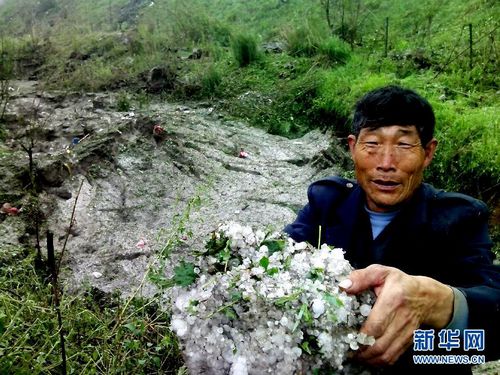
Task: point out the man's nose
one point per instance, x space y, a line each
386 158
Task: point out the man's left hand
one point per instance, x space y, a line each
404 303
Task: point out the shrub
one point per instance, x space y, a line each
334 51
467 159
340 89
123 102
244 47
210 81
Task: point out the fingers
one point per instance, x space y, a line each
396 337
366 278
396 313
388 348
403 303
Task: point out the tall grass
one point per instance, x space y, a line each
244 47
334 51
210 81
142 343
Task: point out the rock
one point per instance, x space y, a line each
273 47
61 192
53 172
196 54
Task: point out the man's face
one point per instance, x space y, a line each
389 163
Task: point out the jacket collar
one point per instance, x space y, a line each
343 221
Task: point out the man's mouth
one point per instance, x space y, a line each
386 184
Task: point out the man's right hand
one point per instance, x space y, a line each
404 303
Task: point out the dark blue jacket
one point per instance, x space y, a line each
436 234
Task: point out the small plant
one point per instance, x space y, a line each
142 343
123 103
142 98
210 81
244 48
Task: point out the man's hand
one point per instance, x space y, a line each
403 303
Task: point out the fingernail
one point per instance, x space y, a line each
345 284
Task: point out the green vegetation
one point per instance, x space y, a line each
244 49
328 54
103 335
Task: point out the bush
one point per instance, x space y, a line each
210 81
244 47
123 102
467 158
340 88
334 51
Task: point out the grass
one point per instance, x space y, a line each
97 341
244 47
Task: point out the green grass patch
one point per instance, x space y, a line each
97 340
245 51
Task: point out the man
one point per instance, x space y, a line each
426 253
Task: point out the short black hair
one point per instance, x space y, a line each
394 105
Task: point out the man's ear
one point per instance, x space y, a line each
430 150
351 140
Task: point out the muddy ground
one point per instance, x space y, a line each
135 183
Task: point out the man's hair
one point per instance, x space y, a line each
394 105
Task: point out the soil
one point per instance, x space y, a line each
137 180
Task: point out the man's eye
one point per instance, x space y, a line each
405 145
371 144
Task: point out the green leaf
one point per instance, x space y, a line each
137 330
132 328
274 245
316 274
303 315
236 296
306 316
159 279
288 263
184 274
216 245
291 297
333 300
230 313
305 347
264 262
272 271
